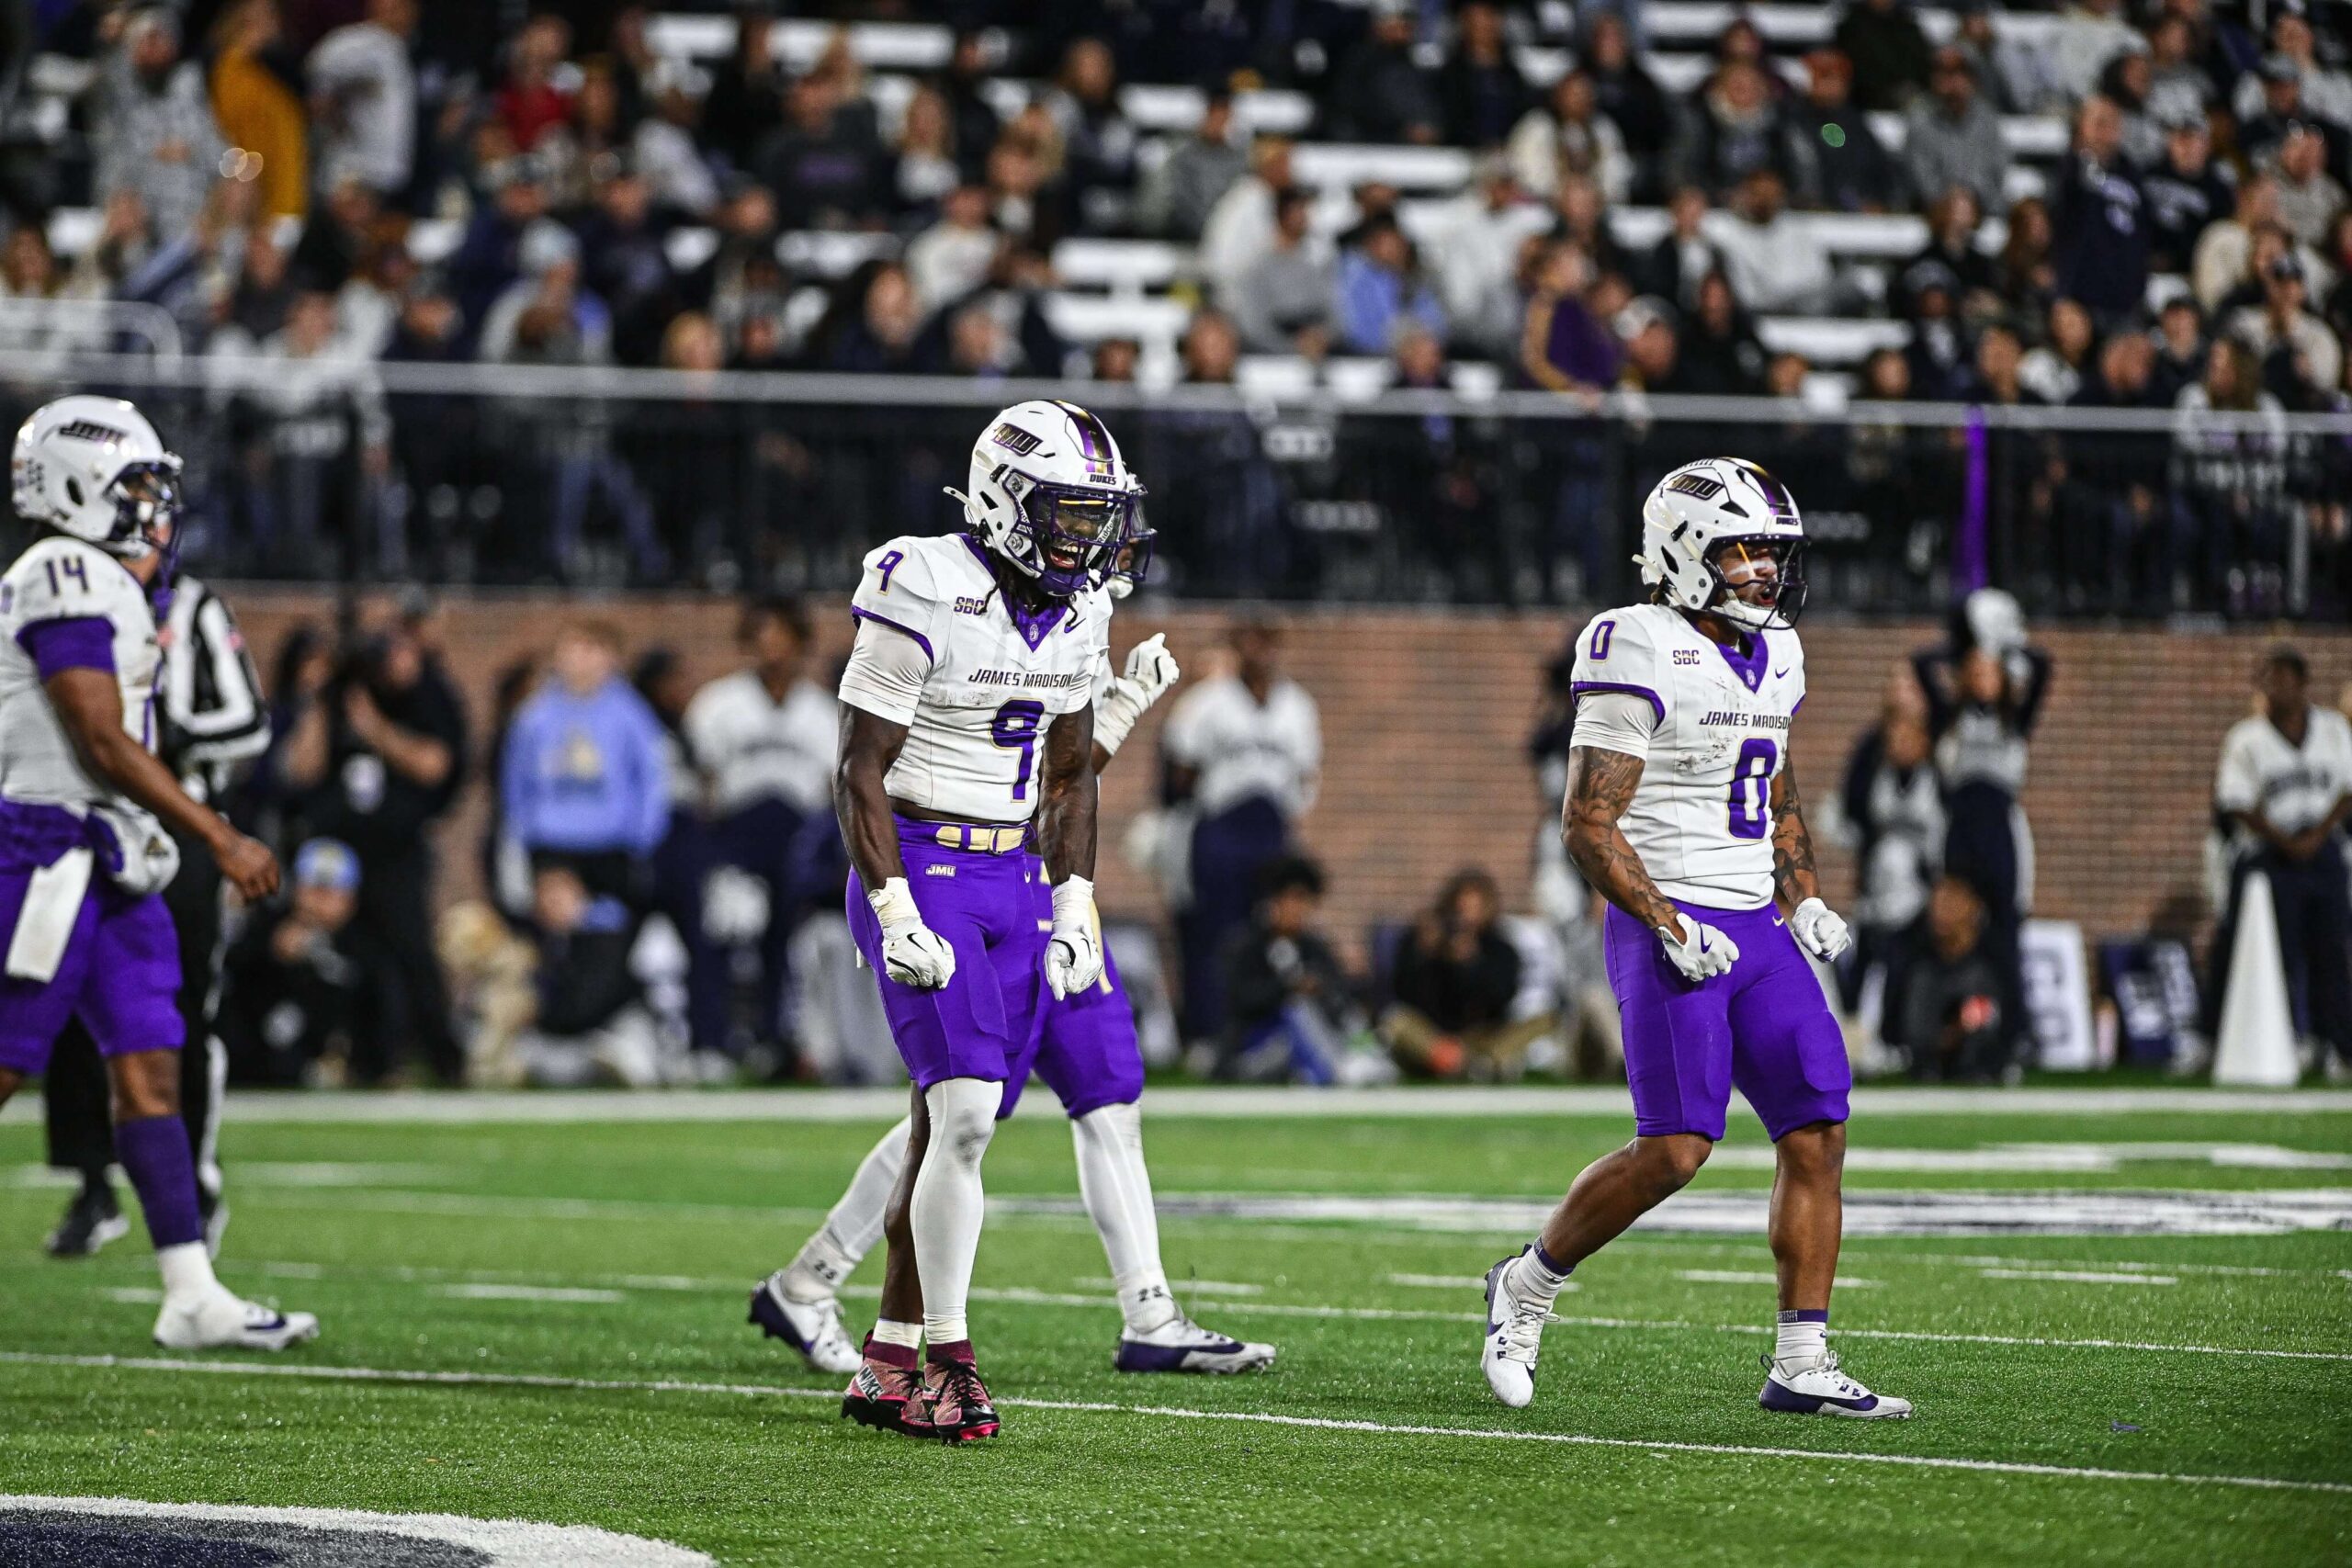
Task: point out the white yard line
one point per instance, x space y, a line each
1020 1296
1308 1423
1757 1277
573 1294
2079 1276
1182 1286
478 1206
885 1105
1887 1258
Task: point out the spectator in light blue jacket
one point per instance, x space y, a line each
1380 285
583 780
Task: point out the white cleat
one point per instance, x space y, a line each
223 1321
1514 1337
813 1329
1180 1345
1819 1388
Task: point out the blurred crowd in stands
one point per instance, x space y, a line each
2126 206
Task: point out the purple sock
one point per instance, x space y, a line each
155 1155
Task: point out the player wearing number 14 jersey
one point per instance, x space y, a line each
1683 811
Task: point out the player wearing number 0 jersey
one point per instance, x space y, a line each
1085 1050
1683 812
966 726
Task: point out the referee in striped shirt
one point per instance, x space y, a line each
211 723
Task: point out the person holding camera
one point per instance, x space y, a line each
1455 976
371 751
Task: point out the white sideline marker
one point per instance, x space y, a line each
503 1543
1311 1423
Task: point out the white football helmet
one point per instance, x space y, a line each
1051 494
1719 514
94 468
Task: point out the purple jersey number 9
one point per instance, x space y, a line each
1015 725
1751 788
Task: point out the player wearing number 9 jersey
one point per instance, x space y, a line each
1683 811
1085 1050
968 728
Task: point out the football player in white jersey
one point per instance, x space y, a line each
83 853
1683 811
2285 788
1087 1053
967 723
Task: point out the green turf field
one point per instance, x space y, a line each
546 1321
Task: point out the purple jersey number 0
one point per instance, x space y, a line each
1749 814
1015 725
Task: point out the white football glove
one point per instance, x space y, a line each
1074 952
1700 951
1821 929
1151 669
913 953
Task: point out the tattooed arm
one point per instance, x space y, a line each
1792 874
1601 786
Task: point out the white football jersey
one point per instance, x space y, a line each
2295 786
1701 817
981 690
1242 749
757 749
60 579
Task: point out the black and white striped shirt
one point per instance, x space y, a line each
209 700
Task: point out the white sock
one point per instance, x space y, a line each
889 1331
187 1271
1117 1191
1803 1336
828 1259
1535 1278
949 1204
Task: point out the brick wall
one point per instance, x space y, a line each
1425 718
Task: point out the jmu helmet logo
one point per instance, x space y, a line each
1699 485
90 430
1015 439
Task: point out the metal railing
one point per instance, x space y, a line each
329 468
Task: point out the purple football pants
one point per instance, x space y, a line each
1764 1026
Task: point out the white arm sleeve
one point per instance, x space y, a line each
886 673
1615 721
